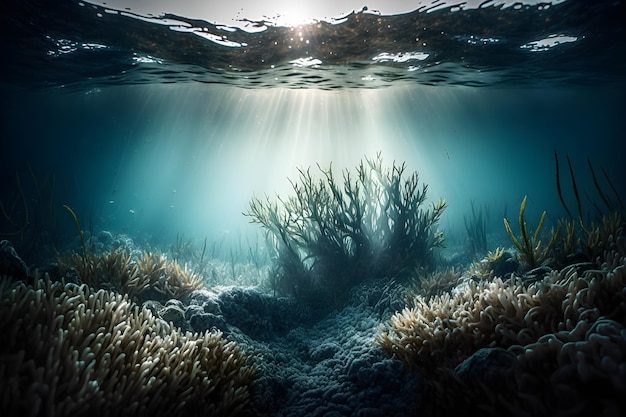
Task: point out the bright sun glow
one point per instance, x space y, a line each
280 12
294 14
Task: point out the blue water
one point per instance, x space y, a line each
153 132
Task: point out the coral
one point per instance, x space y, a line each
71 350
565 331
495 264
531 251
576 372
437 283
116 270
330 236
581 371
482 270
496 255
503 263
446 329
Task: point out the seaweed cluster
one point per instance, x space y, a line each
332 234
530 247
476 228
582 240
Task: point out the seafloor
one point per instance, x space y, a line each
117 330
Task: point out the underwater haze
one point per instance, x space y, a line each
161 122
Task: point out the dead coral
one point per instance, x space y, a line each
70 350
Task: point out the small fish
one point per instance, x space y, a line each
131 211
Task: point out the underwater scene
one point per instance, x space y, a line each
326 209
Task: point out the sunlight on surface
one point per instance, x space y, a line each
284 12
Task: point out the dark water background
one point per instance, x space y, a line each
159 133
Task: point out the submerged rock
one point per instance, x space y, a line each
10 263
492 367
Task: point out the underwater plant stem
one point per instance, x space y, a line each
203 251
80 233
580 213
595 182
6 215
619 199
558 186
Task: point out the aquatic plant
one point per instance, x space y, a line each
333 234
28 215
70 350
79 230
587 241
530 248
611 206
476 228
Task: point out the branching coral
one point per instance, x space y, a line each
436 283
564 339
118 271
448 328
70 350
331 235
531 250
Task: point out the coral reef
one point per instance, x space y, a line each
331 236
565 332
436 283
151 275
72 350
496 264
